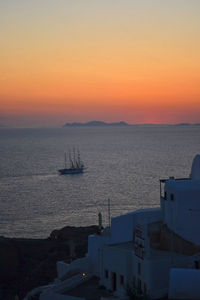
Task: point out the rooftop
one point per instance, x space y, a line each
183 184
125 246
90 290
153 253
161 254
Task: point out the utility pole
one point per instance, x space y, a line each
109 212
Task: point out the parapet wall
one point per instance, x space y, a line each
167 240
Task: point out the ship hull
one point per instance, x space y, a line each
70 171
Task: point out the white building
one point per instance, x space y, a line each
181 204
141 248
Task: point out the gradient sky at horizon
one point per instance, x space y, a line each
111 60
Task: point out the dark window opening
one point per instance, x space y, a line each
134 282
139 268
165 196
121 279
114 281
172 197
145 288
196 263
139 286
106 274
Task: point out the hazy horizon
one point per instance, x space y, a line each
60 125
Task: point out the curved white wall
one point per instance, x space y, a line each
182 215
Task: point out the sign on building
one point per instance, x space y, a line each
139 242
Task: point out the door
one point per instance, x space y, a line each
114 281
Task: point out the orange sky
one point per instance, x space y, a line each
109 60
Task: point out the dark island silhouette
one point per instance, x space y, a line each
122 123
95 123
187 124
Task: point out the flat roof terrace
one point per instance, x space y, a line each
162 254
90 290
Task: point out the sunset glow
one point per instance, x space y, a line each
137 61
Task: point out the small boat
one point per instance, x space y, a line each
72 165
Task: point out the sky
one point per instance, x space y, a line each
111 60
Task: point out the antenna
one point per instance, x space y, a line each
65 160
100 221
109 212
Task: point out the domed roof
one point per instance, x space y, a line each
195 171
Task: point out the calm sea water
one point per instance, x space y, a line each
124 164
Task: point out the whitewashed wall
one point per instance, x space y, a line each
184 284
182 215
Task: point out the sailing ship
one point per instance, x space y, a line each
73 164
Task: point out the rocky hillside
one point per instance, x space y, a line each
28 263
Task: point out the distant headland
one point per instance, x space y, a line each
122 123
187 124
95 123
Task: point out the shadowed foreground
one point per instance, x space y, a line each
29 263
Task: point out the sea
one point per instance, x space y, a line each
124 164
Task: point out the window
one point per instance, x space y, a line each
145 288
121 279
114 281
106 274
139 268
196 263
172 197
139 285
134 281
165 196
